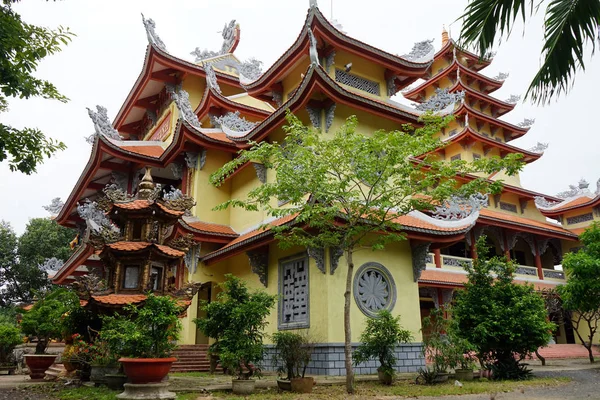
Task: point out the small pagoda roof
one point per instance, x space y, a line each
136 247
514 130
502 107
478 63
118 300
525 224
579 202
324 30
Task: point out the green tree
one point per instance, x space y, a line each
347 188
22 47
503 320
569 26
581 293
20 258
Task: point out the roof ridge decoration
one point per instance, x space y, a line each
539 148
526 123
457 208
51 265
313 52
422 51
502 76
55 206
153 37
513 99
577 190
233 125
229 43
542 202
97 221
441 100
102 125
211 78
182 101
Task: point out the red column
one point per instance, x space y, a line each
437 258
538 260
473 248
184 179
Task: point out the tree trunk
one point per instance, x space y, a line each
591 354
539 356
347 331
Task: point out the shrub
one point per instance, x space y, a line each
293 352
10 337
379 340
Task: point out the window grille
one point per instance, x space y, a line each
508 207
456 157
293 287
357 82
580 218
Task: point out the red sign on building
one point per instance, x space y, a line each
163 129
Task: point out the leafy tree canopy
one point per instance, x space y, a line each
22 47
569 26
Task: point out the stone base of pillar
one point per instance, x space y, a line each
146 391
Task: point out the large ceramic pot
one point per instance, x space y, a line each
243 386
147 370
284 384
302 385
115 381
463 374
38 364
385 378
99 372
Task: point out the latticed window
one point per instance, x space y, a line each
357 82
580 218
293 288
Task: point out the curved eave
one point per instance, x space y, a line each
326 32
516 131
499 219
77 259
501 106
201 235
156 56
559 210
480 63
317 79
212 98
414 94
162 250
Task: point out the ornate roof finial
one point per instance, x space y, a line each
153 37
146 186
313 4
211 78
583 184
421 51
55 206
314 54
445 36
539 148
440 100
102 125
182 101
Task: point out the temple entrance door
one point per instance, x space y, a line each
203 294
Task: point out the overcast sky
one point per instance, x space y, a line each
103 61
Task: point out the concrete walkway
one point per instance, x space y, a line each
567 351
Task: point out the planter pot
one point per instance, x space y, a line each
283 384
385 378
463 374
115 381
302 385
146 370
441 377
38 364
99 372
84 371
243 386
214 361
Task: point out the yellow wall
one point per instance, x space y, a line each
294 77
208 196
242 183
578 212
363 68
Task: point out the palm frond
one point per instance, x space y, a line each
485 20
569 26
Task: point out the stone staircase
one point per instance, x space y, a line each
191 358
55 371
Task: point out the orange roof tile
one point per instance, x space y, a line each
119 299
150 150
128 246
169 211
134 205
170 251
220 136
212 228
523 221
413 222
572 204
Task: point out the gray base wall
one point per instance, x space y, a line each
328 359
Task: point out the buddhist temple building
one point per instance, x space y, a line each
184 120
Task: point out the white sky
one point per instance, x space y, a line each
103 61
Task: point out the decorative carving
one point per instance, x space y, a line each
176 200
183 243
523 205
51 265
447 295
513 99
430 292
277 98
182 101
120 179
335 252
450 261
539 148
357 82
261 172
495 232
89 285
55 206
177 170
526 123
203 54
135 181
234 122
457 208
508 207
582 187
553 274
502 76
314 113
251 69
440 100
317 254
391 84
202 158
115 193
147 190
313 4
330 60
528 238
211 78
329 115
580 218
228 33
312 51
97 221
526 271
374 289
191 160
421 51
102 125
192 257
151 33
259 264
419 258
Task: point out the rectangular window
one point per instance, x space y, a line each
580 218
293 291
508 207
156 277
357 82
131 277
476 156
136 229
456 157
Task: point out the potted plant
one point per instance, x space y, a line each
379 341
241 316
293 352
437 348
463 362
145 337
10 337
102 361
81 357
42 322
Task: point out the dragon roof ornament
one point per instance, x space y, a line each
51 264
513 99
440 100
211 78
313 4
542 202
182 101
539 148
250 70
55 206
153 37
502 76
96 219
233 122
102 125
313 53
457 208
421 51
526 123
229 37
575 190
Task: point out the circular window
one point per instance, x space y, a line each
374 289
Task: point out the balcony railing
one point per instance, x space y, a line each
528 271
553 274
453 261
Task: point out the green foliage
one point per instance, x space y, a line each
22 47
581 293
148 331
510 369
569 26
379 340
20 258
237 320
437 347
10 336
503 320
44 320
293 352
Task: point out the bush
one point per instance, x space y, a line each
293 352
10 337
437 347
148 331
379 340
238 319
